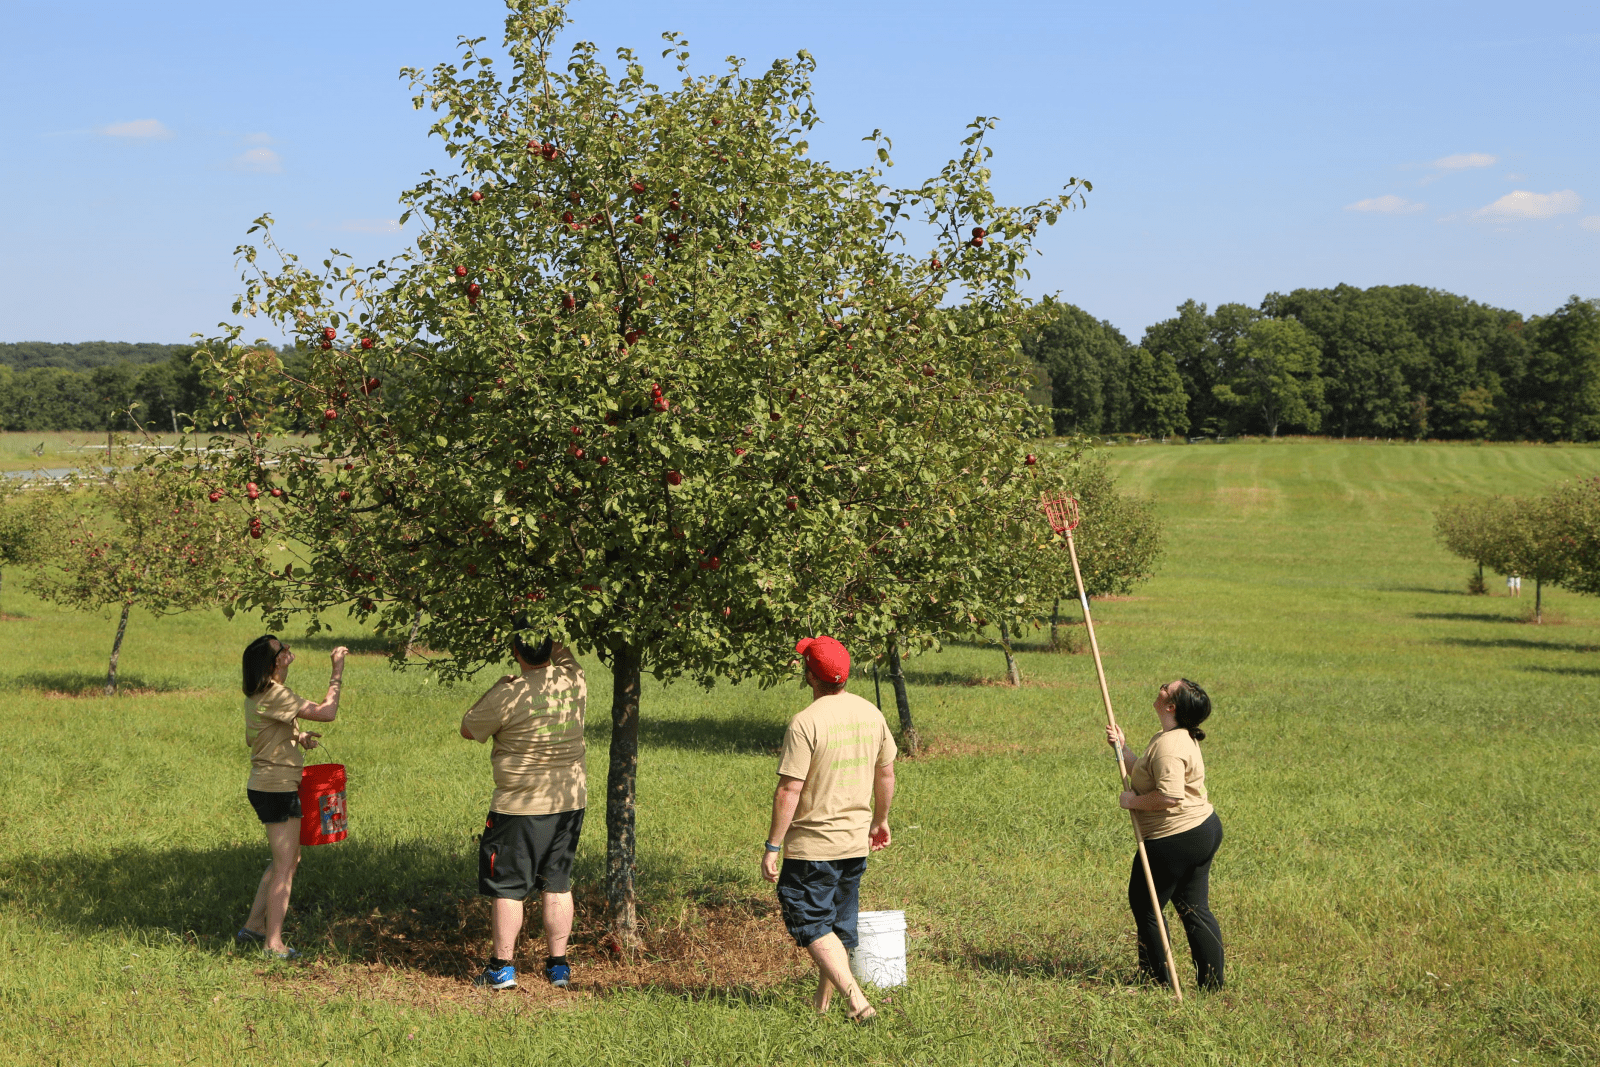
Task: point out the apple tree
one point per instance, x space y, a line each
135 535
651 380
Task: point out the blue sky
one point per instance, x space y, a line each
1235 148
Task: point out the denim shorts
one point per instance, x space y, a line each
821 897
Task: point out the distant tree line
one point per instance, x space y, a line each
87 355
1390 361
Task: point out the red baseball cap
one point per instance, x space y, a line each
826 658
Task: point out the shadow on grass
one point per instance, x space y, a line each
364 645
85 684
1466 616
1071 962
1422 589
412 907
1518 642
743 735
1581 672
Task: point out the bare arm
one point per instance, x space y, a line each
328 710
784 800
1119 745
878 837
1147 802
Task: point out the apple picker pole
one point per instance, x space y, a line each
1062 512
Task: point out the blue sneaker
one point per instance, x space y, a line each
287 954
247 936
497 977
558 974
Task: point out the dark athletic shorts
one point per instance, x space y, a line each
274 807
819 897
523 854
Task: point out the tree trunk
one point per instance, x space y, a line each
411 641
621 780
116 652
1055 620
1538 601
908 732
1013 673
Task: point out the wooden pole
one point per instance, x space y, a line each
1122 773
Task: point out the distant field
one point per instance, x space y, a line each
1403 772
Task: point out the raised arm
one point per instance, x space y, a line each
328 710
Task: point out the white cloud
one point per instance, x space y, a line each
1389 204
370 225
138 129
1522 204
257 160
1591 223
1465 161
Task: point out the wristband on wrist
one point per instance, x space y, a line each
774 848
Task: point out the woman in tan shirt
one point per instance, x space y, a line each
1180 828
270 711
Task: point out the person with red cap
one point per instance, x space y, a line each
835 786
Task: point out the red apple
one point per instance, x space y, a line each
1031 460
344 494
905 524
568 217
277 492
936 265
603 460
716 122
928 370
637 219
477 197
755 246
214 496
522 464
349 466
636 186
979 232
632 337
726 612
252 490
329 332
230 398
649 279
474 291
569 301
793 503
327 344
674 478
577 431
673 204
738 451
370 386
461 272
330 414
366 342
467 399
500 382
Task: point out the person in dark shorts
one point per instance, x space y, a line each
276 762
831 807
536 815
1181 832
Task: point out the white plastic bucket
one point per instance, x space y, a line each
879 957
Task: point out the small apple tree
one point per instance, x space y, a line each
136 536
30 514
652 379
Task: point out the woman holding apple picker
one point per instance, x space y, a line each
276 763
1180 828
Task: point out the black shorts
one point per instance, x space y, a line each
821 897
523 854
274 807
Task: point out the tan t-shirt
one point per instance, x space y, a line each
836 745
536 721
1172 766
275 760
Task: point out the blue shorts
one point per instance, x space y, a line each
821 897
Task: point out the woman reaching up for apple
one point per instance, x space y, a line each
276 763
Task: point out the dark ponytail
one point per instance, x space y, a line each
260 660
1191 707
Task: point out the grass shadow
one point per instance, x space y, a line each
1465 616
1518 642
412 907
1424 589
1581 672
363 645
738 735
1050 961
85 684
935 678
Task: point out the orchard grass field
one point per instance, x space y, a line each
1405 774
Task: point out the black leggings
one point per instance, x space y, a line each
1181 868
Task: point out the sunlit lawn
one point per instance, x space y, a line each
1403 772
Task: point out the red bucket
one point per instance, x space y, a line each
322 821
